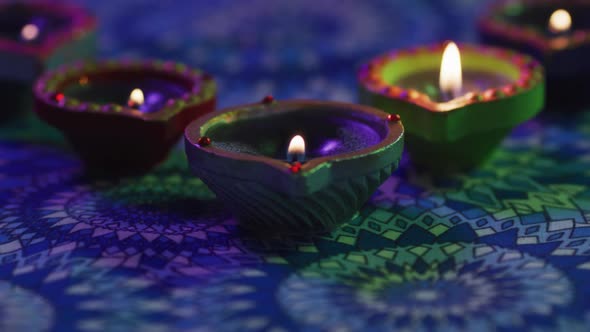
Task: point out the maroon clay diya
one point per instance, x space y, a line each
123 116
35 36
457 103
294 166
556 32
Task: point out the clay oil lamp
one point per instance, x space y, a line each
35 36
123 116
557 33
295 166
457 103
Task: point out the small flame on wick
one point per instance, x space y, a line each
296 149
135 98
451 76
560 21
29 32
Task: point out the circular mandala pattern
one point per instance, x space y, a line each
172 206
439 287
169 205
166 223
21 310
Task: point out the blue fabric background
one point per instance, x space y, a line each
503 248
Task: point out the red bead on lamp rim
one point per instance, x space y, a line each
268 99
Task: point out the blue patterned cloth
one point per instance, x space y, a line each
503 248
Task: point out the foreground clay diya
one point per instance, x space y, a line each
35 36
454 123
294 166
123 116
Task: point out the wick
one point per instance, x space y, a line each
449 95
295 157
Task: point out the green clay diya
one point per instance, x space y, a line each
557 33
455 116
294 166
123 116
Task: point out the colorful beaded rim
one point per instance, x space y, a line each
493 23
530 72
200 86
81 23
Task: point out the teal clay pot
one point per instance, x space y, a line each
240 153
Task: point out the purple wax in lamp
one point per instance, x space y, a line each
146 95
300 136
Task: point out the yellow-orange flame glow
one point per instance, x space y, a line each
29 32
560 21
135 98
296 146
451 77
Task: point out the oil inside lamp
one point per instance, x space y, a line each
136 98
451 77
29 32
560 21
296 150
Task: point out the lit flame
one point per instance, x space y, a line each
451 78
296 149
135 98
29 32
560 21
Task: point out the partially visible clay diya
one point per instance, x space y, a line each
123 116
557 33
35 36
457 106
294 166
